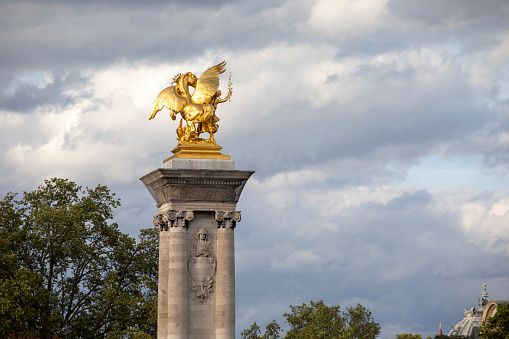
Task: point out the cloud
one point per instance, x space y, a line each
486 224
346 20
336 105
372 241
300 261
453 14
47 89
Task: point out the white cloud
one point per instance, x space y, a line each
346 19
487 225
297 262
9 121
481 77
334 104
499 55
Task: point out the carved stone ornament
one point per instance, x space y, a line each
173 218
160 223
178 218
227 219
202 265
168 185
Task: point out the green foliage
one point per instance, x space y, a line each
63 262
251 333
315 320
319 321
496 327
408 336
360 323
272 331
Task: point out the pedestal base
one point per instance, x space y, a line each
198 151
196 200
210 164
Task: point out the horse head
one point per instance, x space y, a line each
183 82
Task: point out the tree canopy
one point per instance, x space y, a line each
319 321
496 327
408 336
62 262
272 331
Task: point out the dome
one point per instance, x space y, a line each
469 326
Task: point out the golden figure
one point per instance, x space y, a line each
197 109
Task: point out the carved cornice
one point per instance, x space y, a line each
173 218
227 219
185 185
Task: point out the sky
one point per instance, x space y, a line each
378 130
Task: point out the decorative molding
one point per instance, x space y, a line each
203 287
179 218
202 265
227 219
173 218
200 185
160 223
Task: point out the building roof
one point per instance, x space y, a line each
469 326
491 309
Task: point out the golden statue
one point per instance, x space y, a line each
197 109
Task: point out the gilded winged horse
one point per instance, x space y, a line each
198 109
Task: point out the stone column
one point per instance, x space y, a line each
173 283
225 302
162 285
178 282
196 280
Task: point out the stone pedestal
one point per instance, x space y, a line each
196 201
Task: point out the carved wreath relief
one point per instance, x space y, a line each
202 265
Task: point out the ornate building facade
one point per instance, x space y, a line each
491 308
469 326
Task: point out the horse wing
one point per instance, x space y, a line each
169 98
208 84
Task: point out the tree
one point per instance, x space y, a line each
360 323
496 327
315 321
319 321
63 262
272 331
19 306
408 336
251 333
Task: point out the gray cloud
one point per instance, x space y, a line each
25 96
489 14
408 200
335 104
100 33
401 259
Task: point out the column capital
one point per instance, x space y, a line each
173 218
227 219
160 223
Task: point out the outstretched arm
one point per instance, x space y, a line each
219 100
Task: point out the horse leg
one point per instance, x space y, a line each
211 133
